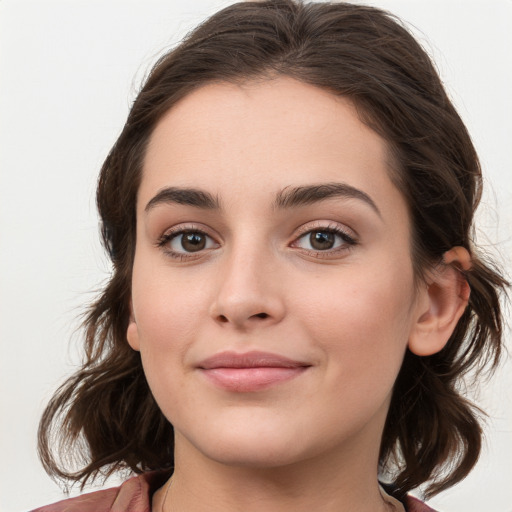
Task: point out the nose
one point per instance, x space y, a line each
250 292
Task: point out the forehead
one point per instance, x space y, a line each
262 136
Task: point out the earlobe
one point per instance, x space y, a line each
132 332
442 304
132 335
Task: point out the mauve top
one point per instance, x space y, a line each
135 495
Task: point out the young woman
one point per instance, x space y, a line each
295 293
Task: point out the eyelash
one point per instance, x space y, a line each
349 241
169 236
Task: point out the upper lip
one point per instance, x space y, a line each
254 359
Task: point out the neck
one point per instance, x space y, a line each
324 483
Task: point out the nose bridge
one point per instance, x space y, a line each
248 291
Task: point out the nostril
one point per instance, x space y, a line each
223 319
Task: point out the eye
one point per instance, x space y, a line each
328 239
186 241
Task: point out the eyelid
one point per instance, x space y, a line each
184 227
327 225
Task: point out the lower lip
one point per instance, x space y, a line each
245 380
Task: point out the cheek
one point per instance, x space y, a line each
362 321
166 312
165 308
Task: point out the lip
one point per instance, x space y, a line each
250 371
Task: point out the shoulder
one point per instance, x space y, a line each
410 503
134 495
415 505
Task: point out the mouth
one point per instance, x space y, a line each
250 371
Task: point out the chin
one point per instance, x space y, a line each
256 456
247 446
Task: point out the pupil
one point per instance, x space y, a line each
321 240
192 242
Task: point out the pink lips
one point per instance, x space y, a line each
251 371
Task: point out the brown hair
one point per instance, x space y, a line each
105 414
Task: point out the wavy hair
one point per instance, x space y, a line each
104 418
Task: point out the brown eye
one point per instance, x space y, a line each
329 240
184 242
193 242
322 240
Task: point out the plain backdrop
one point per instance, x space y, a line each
69 71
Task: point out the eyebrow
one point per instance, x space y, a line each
285 199
309 194
186 196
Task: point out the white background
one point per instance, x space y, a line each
68 73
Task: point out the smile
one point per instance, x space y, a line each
251 371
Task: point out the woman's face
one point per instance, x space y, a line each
273 292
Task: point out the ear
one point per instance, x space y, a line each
132 333
441 304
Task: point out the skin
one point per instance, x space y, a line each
349 312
